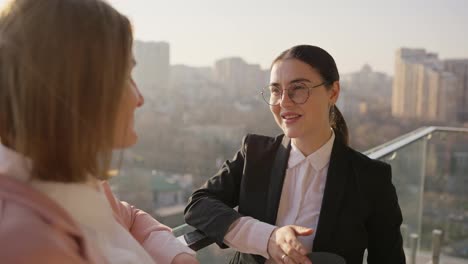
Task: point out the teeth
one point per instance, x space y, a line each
290 116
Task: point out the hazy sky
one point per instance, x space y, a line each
354 32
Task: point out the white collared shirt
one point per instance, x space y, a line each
300 203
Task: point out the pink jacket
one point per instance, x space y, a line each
34 229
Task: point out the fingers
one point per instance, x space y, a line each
284 242
294 249
302 231
289 260
281 257
293 254
280 250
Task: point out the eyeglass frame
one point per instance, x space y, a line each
282 91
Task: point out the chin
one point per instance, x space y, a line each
131 141
127 142
292 133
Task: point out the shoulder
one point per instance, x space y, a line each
369 170
25 237
259 147
363 162
373 178
261 141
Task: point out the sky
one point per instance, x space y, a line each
353 32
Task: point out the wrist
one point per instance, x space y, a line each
271 239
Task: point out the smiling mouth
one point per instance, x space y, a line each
290 116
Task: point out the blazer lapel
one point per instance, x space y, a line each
276 180
332 197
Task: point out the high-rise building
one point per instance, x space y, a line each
194 84
438 96
365 90
459 67
153 67
240 78
422 88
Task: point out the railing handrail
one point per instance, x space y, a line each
399 142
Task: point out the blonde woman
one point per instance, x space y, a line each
67 100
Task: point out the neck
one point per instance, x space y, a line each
93 183
311 143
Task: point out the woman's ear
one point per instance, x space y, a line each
334 93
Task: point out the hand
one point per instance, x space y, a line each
284 241
184 258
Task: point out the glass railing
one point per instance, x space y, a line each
430 173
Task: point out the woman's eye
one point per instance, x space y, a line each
298 87
275 90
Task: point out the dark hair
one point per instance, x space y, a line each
325 65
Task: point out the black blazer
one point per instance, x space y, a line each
359 209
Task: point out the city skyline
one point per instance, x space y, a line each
357 33
359 68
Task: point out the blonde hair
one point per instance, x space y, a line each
63 69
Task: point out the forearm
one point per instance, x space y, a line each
211 216
249 235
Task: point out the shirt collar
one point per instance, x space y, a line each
88 206
75 198
14 165
318 160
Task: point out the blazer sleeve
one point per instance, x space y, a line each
210 208
385 240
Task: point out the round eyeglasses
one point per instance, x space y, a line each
298 93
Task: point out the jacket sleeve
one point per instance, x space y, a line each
210 208
39 243
157 239
385 240
45 255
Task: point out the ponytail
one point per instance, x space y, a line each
339 126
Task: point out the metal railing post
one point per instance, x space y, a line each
436 245
414 239
404 234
